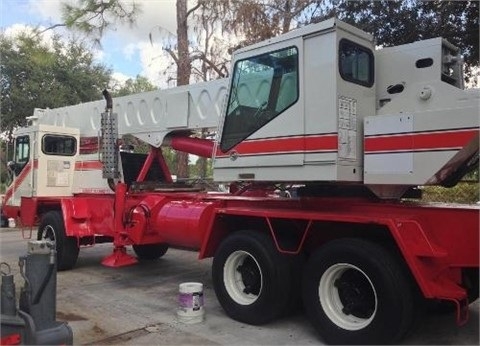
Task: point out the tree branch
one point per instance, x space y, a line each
173 55
52 27
190 11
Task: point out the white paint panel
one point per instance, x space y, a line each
386 124
177 110
392 163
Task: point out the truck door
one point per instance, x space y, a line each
21 169
57 154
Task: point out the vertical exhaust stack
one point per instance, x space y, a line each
109 147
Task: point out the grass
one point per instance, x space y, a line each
466 192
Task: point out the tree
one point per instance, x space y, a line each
35 75
399 22
93 17
134 86
184 58
258 20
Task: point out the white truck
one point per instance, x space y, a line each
319 107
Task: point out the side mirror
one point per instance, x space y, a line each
12 166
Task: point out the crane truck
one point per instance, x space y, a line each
355 129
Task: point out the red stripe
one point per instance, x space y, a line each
88 145
88 165
429 141
19 180
286 145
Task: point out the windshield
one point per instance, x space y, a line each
22 153
263 87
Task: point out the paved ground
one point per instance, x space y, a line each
136 305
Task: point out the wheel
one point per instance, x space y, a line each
52 228
150 251
3 220
355 292
471 283
252 280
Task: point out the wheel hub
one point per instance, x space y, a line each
347 296
250 276
242 277
355 294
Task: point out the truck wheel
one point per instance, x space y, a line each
52 228
150 251
355 292
252 280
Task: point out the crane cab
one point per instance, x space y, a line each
296 106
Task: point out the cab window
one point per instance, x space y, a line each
356 63
22 153
59 145
262 87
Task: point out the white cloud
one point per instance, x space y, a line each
126 48
47 10
131 41
129 51
156 65
120 77
16 30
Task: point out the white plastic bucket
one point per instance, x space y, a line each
190 303
11 222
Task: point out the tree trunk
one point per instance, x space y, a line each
183 71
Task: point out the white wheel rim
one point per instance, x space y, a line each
235 282
340 296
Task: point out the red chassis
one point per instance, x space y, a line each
435 241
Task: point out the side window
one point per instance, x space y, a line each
59 145
356 63
22 154
262 87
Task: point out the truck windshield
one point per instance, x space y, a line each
262 87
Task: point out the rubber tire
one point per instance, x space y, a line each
150 252
275 297
393 286
67 247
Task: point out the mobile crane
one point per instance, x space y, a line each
357 128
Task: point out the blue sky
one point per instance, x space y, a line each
126 50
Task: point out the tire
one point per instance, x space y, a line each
52 228
356 292
252 280
150 251
3 221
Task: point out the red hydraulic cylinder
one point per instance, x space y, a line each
196 146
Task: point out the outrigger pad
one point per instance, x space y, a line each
119 258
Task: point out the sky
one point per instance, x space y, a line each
126 50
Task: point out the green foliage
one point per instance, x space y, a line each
93 17
464 192
35 75
398 22
134 86
200 166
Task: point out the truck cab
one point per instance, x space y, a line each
44 163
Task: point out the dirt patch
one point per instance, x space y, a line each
70 317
